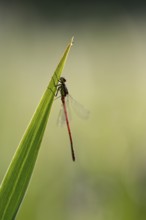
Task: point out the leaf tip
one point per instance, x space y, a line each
72 41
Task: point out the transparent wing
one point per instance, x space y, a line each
79 109
61 117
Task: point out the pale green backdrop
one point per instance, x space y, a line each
106 72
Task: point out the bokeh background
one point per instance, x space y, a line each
106 72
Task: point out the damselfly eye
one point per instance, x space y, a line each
62 79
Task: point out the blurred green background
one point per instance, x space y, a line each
105 71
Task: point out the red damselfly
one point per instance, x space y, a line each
61 87
78 108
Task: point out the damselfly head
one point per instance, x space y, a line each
62 80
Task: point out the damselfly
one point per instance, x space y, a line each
62 88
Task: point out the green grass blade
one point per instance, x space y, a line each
15 182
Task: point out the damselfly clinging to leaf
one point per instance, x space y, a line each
79 109
61 87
